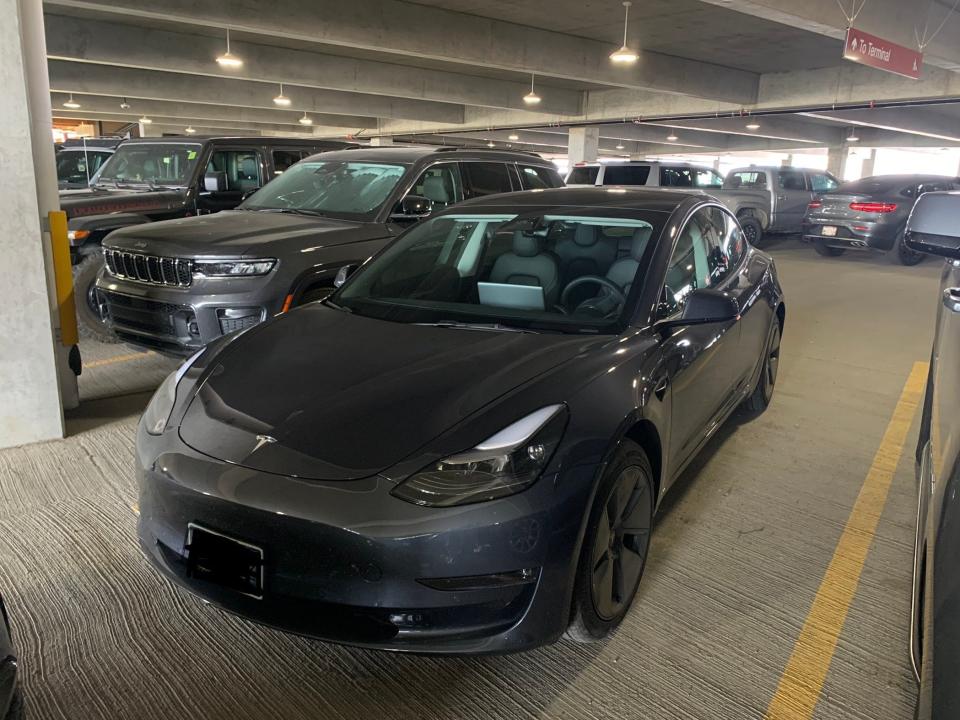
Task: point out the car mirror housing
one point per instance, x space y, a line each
215 182
412 207
703 307
934 225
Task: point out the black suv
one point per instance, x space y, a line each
175 286
150 179
79 160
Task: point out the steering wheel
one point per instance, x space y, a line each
608 285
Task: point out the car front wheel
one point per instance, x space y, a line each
763 392
615 546
90 324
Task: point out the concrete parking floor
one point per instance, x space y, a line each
739 552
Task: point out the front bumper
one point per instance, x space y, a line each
852 235
350 563
181 320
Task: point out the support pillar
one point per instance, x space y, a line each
583 144
837 160
34 374
787 161
868 164
381 141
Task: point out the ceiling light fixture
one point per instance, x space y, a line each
853 137
189 130
619 146
305 120
672 137
124 105
531 98
144 120
72 104
513 136
490 144
281 99
228 60
624 56
753 125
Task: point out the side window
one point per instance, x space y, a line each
708 178
932 187
283 159
485 178
791 180
676 177
242 168
751 179
821 183
440 184
626 174
538 178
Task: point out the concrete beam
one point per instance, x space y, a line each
203 111
153 85
771 128
80 39
222 127
402 28
900 120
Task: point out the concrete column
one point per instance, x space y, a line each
716 163
869 162
837 160
787 161
30 379
381 141
582 144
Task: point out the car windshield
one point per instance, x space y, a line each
541 271
162 164
348 190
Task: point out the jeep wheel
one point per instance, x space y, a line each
752 230
89 324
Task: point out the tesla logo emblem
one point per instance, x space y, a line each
263 440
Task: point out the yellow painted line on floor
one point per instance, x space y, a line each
117 359
802 680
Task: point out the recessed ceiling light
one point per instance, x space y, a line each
189 130
753 125
144 120
531 98
72 104
624 55
281 99
228 60
305 120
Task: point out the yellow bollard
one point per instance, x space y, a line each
63 272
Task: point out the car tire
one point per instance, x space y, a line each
826 250
314 293
16 711
614 551
762 394
906 256
89 324
752 230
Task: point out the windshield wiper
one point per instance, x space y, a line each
293 211
490 327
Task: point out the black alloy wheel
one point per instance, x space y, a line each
763 393
752 230
905 255
90 324
615 547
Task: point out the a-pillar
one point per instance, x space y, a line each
837 160
582 144
33 363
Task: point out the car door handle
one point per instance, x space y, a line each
660 389
781 197
951 299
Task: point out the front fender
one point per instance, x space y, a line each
96 227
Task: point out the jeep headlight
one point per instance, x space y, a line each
157 414
233 268
504 464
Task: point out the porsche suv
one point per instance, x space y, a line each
175 286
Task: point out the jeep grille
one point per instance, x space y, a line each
151 269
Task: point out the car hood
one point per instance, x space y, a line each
323 394
236 233
100 201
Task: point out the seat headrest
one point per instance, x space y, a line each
736 181
435 189
585 235
248 166
641 236
525 245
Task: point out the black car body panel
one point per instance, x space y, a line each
309 251
8 664
935 627
293 436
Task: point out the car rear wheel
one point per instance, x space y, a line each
752 230
763 393
615 546
826 250
90 324
905 255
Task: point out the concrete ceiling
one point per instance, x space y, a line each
443 69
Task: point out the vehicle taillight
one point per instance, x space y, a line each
815 205
873 207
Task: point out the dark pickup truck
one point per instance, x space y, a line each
79 160
149 179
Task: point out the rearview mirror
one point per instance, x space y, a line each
413 207
934 225
703 307
215 181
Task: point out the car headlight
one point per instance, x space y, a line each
233 268
510 461
157 414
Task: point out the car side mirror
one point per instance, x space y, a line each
704 307
412 207
934 225
248 193
215 182
342 275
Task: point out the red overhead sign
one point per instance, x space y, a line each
882 54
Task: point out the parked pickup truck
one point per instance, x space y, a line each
746 191
149 179
79 160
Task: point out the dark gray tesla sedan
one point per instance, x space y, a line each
869 214
934 228
463 448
